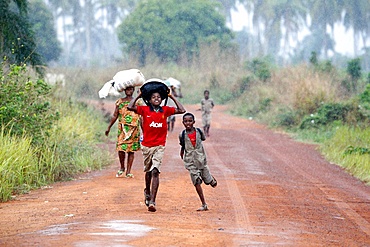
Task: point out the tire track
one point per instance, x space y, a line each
239 205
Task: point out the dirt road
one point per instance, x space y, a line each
272 191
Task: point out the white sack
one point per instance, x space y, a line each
122 80
173 82
128 78
108 89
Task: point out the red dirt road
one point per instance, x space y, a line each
272 191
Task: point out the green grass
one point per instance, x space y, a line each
71 148
18 166
350 148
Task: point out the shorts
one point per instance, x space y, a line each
206 119
200 174
153 157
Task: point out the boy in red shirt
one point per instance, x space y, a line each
154 128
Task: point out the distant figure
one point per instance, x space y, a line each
172 119
207 105
154 133
194 157
128 138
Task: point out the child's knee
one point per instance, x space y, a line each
198 181
155 172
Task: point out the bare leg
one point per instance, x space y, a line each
172 125
199 189
148 180
155 184
206 130
130 160
121 156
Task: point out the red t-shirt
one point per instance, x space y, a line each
154 125
193 137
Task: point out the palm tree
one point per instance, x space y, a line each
17 41
268 18
357 16
324 13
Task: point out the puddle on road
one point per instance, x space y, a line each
115 232
122 227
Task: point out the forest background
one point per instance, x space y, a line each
299 85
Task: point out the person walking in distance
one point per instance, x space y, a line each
128 138
193 154
172 119
154 136
207 105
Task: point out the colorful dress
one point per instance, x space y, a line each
128 138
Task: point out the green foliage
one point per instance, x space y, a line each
356 150
349 147
260 68
327 113
18 165
42 22
25 104
364 98
365 95
245 83
70 148
17 42
172 28
325 66
313 58
354 72
354 69
286 118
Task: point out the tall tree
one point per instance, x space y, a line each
357 17
65 9
323 14
270 17
17 41
168 28
42 21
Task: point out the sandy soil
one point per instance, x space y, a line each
272 191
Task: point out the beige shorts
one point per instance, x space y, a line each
152 157
206 119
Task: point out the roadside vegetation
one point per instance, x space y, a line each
43 138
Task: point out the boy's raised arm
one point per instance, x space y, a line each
180 108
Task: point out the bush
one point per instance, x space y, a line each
287 118
349 147
326 114
25 104
260 68
354 69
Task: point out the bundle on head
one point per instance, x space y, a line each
154 86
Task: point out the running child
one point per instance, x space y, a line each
154 126
207 105
193 154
